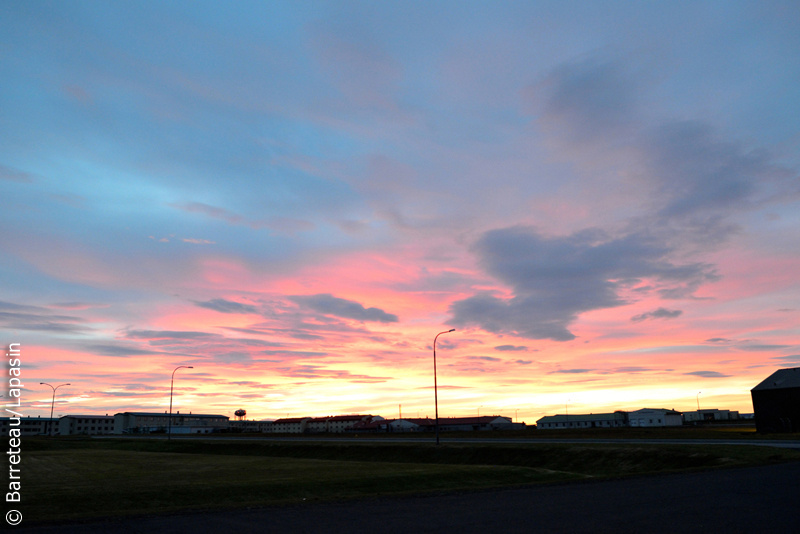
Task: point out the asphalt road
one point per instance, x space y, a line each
749 500
782 444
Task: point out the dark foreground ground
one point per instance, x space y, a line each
752 500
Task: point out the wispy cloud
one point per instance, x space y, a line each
339 307
660 313
511 347
707 374
227 306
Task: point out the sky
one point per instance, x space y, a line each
295 198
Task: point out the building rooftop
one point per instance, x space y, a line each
90 416
583 417
781 379
176 414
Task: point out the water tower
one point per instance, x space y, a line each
240 414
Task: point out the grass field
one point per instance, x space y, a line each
67 479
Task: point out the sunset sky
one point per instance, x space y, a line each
294 198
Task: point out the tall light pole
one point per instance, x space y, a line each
566 408
516 415
698 402
435 390
479 410
169 432
52 404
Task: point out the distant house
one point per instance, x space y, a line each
776 402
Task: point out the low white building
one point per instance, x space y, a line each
710 415
646 417
592 420
650 417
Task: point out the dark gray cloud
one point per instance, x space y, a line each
631 369
226 306
556 278
587 101
573 371
116 350
35 318
719 340
660 313
759 348
484 358
511 347
694 177
293 353
328 304
707 374
693 180
790 358
313 371
169 335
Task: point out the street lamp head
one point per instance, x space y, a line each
452 330
190 367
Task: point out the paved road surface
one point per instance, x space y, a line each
751 500
785 444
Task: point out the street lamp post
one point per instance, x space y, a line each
516 415
698 401
435 389
53 403
479 410
172 382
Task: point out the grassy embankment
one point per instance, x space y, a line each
89 478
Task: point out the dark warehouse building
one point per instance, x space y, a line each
776 402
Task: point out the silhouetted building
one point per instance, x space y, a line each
710 414
147 423
250 426
592 420
464 424
776 402
71 425
29 426
290 425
